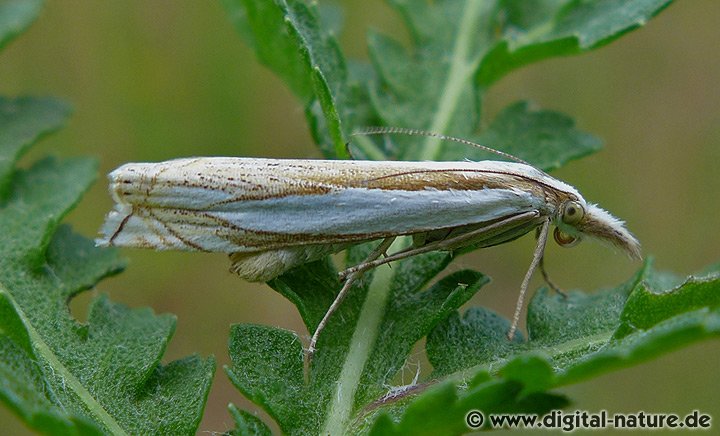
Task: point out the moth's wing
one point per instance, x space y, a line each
250 205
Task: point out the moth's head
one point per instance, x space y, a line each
575 219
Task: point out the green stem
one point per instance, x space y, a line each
461 71
361 344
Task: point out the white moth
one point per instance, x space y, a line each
271 215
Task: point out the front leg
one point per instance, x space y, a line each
350 279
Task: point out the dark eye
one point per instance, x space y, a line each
572 212
563 239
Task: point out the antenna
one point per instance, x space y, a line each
417 132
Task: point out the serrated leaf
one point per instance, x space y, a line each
342 379
429 85
16 16
545 139
289 38
442 408
23 121
560 28
262 25
567 327
570 340
646 307
437 84
60 376
432 86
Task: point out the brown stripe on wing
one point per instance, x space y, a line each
411 180
494 180
253 240
174 233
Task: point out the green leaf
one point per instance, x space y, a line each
58 375
648 307
247 424
539 29
267 367
289 38
571 340
23 121
430 85
480 333
16 16
457 49
570 327
546 139
433 84
441 409
263 27
349 369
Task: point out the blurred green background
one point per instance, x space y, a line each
157 80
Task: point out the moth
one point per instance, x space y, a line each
271 215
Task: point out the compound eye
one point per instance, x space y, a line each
565 240
573 212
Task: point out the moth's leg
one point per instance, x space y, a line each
546 276
369 264
549 282
349 280
439 245
537 258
